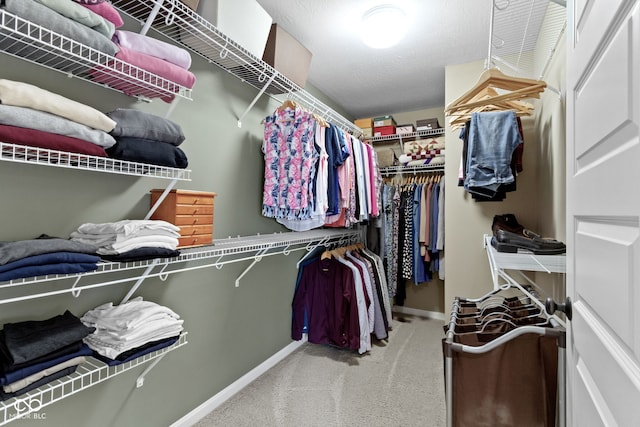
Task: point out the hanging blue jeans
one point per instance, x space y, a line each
493 136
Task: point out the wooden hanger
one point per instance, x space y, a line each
461 116
288 104
483 96
326 254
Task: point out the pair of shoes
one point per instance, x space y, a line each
507 222
506 241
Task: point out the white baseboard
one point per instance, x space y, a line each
417 312
225 394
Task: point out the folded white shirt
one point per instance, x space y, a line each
127 227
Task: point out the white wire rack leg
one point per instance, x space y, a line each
257 259
152 16
264 88
161 198
140 379
140 280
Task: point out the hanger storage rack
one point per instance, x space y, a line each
39 45
88 374
184 26
555 329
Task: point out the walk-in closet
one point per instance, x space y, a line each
319 213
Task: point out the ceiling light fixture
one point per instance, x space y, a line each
383 26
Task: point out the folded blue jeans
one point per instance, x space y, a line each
493 137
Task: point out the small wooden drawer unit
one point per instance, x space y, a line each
192 211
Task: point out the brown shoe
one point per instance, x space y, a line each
507 222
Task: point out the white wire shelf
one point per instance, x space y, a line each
222 252
37 44
62 159
524 261
395 170
88 374
525 34
400 137
178 22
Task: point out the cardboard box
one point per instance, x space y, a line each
287 55
384 121
364 123
405 129
427 124
243 21
384 130
367 132
193 4
386 157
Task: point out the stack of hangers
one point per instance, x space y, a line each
494 91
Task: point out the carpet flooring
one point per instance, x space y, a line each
400 382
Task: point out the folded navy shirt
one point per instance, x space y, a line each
51 263
15 250
25 371
141 254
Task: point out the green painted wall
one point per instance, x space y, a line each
230 330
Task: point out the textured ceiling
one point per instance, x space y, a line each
409 76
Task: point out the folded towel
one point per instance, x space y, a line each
81 15
22 94
153 47
38 14
107 11
158 67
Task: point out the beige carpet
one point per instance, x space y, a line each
398 383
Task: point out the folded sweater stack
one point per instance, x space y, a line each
45 255
129 330
155 56
36 117
147 138
95 24
36 352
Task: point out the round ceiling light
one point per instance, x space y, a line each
383 26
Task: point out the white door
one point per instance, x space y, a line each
603 212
